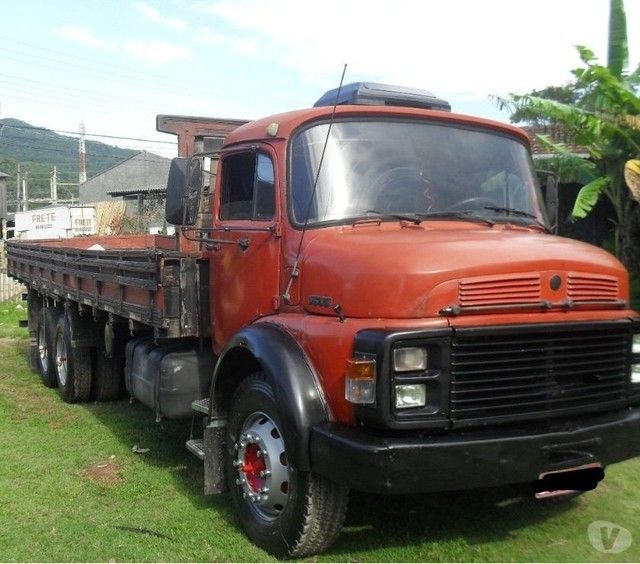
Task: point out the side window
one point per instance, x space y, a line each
248 187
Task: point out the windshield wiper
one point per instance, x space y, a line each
511 211
461 215
518 213
379 216
417 218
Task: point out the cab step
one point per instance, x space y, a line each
196 447
201 406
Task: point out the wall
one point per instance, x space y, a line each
142 171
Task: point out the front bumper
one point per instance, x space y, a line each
472 459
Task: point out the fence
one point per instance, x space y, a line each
10 290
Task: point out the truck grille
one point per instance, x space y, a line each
500 375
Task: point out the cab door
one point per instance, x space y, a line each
245 264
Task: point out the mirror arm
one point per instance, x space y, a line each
185 232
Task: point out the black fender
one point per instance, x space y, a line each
301 403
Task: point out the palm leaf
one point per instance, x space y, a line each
588 197
618 51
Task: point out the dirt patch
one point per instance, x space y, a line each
12 340
62 422
106 472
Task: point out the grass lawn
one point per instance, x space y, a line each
71 489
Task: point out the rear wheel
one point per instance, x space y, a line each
108 374
45 339
34 306
288 512
73 365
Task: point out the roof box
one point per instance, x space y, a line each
374 94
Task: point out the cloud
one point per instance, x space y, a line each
464 46
88 38
155 16
157 52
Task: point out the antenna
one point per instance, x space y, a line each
295 272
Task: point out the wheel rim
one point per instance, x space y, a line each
261 463
61 360
42 349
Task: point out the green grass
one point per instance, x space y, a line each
11 313
71 489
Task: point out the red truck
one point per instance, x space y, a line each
365 294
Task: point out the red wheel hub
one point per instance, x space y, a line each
253 467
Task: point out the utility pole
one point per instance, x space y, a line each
18 186
54 186
83 157
25 198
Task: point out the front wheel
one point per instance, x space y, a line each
287 512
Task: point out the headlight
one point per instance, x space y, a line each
410 359
635 359
411 395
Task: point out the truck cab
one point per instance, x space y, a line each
385 275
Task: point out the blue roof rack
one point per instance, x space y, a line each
375 94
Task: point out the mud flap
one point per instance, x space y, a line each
214 455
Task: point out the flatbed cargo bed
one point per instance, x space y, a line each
138 277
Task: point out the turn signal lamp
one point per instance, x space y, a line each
360 381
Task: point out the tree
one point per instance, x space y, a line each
601 111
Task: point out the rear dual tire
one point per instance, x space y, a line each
45 346
108 381
73 365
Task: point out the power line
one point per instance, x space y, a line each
126 75
91 134
50 91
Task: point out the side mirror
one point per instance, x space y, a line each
192 191
549 186
174 210
183 191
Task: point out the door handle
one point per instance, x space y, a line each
244 244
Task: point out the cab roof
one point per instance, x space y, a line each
283 126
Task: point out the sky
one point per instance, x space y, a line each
115 64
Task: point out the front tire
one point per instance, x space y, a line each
285 511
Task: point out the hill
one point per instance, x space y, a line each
38 150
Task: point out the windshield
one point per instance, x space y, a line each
420 169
